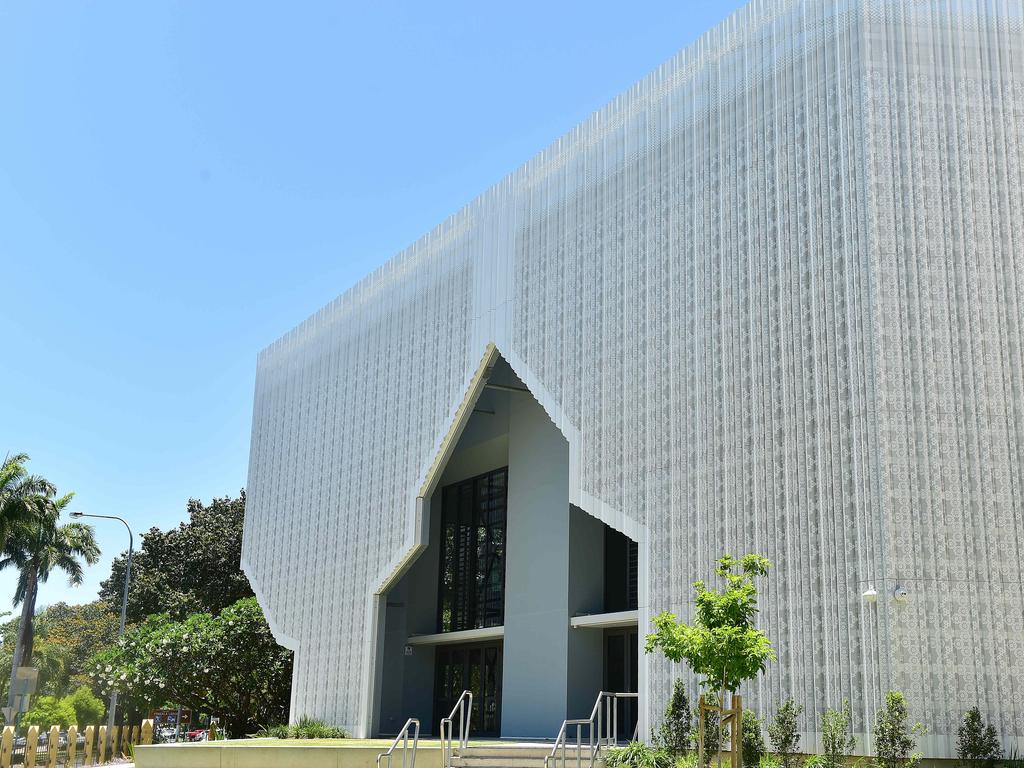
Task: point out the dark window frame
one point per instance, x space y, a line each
471 568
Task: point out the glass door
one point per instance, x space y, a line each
478 669
621 671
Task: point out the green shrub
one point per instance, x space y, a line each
782 732
675 731
49 711
894 741
88 708
814 761
636 754
836 737
753 739
307 728
768 761
688 760
976 742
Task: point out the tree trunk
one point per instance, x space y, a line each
26 637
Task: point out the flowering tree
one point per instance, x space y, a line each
228 665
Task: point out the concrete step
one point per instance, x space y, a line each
515 756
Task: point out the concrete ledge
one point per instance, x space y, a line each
276 753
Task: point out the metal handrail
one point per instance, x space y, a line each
464 707
605 718
403 736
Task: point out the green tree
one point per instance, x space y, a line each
48 711
894 739
38 546
723 645
192 568
836 739
66 638
783 733
976 742
674 733
228 665
89 710
20 495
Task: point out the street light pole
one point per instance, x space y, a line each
124 608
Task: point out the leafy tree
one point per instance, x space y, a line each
38 546
76 632
753 739
192 568
894 740
20 495
782 732
836 739
976 742
722 645
89 710
48 711
228 665
674 733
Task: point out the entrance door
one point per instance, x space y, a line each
478 669
621 670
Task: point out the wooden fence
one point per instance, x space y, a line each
54 748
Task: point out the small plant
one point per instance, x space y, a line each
753 739
636 754
688 760
976 742
279 731
814 761
836 738
768 761
307 728
894 741
782 732
674 733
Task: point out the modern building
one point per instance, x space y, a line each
767 300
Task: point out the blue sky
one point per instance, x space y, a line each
181 183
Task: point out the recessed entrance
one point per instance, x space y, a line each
621 673
513 591
475 668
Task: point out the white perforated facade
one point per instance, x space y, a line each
772 297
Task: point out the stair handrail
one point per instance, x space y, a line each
403 737
606 720
464 708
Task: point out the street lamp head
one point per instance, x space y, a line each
77 514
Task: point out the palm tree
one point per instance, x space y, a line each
38 545
20 494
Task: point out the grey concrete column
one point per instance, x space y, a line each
535 668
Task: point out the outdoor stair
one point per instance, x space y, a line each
514 755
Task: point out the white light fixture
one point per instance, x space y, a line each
870 595
900 595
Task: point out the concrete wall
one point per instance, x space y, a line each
536 575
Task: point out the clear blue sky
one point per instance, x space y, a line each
181 183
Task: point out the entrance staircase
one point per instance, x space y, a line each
507 754
579 744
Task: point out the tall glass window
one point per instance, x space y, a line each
472 582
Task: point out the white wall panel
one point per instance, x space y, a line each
772 297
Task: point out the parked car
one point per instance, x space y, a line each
199 734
